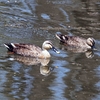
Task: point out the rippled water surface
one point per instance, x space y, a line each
70 75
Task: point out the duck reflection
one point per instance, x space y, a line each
26 75
44 68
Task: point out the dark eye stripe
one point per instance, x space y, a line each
49 43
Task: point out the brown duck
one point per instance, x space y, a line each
76 41
31 50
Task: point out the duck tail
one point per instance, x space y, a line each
10 46
61 37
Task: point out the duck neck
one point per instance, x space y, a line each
45 53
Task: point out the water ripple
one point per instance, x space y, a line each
58 86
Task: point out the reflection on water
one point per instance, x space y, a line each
88 19
72 74
44 68
58 86
21 76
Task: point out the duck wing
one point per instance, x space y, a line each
75 41
24 49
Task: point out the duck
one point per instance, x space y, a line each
76 41
31 50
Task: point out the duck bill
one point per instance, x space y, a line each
94 48
55 50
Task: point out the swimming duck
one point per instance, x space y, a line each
76 41
31 50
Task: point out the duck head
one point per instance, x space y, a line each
48 45
90 42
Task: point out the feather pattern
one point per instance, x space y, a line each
30 50
76 41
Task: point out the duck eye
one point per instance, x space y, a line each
50 44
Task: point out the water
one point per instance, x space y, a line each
66 76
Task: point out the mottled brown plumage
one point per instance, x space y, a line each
31 50
75 41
